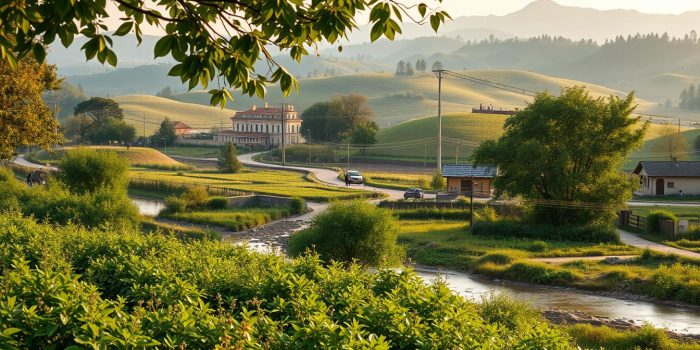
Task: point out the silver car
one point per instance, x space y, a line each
354 177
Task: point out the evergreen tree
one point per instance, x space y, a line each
167 132
400 68
228 159
692 97
684 99
409 69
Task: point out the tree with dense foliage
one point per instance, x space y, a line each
364 134
409 69
437 65
671 142
166 133
106 121
25 120
228 159
360 232
166 92
99 109
114 130
74 125
85 170
334 120
218 40
314 121
400 68
690 98
421 65
562 155
437 182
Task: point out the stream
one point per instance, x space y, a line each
682 320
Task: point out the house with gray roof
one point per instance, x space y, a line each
662 178
462 179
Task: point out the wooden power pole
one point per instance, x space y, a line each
439 73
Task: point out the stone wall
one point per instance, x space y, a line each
258 200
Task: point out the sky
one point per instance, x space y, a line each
502 7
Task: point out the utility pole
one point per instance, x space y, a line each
284 133
144 127
308 145
471 201
221 127
425 151
348 160
439 73
679 125
457 155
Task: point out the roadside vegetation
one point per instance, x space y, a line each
271 182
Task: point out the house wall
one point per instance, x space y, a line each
482 187
647 185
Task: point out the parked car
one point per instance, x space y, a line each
354 177
416 193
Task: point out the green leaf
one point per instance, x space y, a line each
124 29
435 22
163 46
39 52
10 331
422 9
111 58
377 30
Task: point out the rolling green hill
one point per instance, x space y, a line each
396 99
156 108
415 139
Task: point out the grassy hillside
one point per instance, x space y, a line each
396 99
137 156
155 108
404 140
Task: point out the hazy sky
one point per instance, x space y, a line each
502 7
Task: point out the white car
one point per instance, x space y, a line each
354 177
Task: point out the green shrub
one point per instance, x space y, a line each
646 337
195 197
354 230
132 290
217 203
174 205
498 258
504 310
538 246
431 213
297 205
655 216
437 182
486 214
86 170
539 273
514 229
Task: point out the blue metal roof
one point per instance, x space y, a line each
469 170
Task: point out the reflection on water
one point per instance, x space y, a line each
676 319
148 207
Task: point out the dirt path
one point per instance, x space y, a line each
566 259
639 242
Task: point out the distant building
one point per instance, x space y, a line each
464 178
183 130
263 126
659 178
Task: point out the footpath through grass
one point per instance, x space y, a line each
270 182
449 244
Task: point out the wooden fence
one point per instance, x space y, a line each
175 187
627 219
500 208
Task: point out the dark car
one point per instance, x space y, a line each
354 177
416 193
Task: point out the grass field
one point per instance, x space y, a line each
155 109
232 219
193 151
680 211
137 156
396 181
271 182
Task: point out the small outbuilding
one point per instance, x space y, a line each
663 178
462 179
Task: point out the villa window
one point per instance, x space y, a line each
670 185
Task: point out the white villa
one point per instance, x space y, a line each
263 126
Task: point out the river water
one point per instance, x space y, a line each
677 319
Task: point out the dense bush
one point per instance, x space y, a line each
87 170
195 197
646 337
486 214
655 216
513 229
174 205
297 205
235 220
348 231
432 213
55 204
217 203
124 289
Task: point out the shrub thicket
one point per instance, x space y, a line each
654 218
87 170
195 197
348 231
126 289
55 204
217 203
174 205
297 205
432 213
514 229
